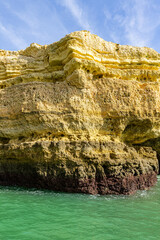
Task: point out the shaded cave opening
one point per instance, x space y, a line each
158 157
4 140
135 134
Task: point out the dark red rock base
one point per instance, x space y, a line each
110 185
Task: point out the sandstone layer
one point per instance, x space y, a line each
80 115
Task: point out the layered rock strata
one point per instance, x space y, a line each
80 115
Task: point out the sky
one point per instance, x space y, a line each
128 22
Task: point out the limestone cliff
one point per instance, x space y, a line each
80 115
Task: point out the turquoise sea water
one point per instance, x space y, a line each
45 215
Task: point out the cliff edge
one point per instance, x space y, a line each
80 115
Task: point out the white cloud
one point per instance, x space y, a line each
34 23
77 12
140 21
11 35
107 14
133 22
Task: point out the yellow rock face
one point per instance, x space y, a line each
98 100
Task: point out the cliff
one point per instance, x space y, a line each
80 115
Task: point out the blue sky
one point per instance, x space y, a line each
132 22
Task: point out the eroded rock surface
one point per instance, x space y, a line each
80 115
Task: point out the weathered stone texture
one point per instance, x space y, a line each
80 115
